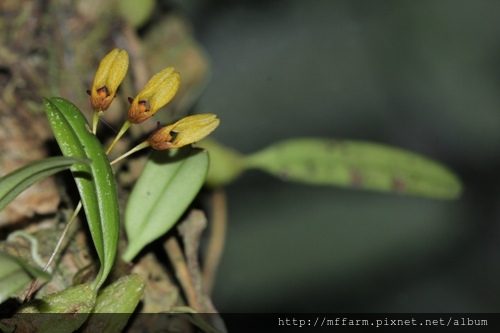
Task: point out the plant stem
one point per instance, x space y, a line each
122 131
216 239
140 146
58 245
95 120
65 231
174 252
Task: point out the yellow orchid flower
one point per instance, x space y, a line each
158 91
108 77
185 131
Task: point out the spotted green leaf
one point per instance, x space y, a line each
95 182
167 186
353 164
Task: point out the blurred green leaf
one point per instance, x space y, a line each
225 164
12 184
95 182
16 274
346 163
136 13
68 310
120 298
357 164
167 186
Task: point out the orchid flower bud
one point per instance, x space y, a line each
183 132
158 91
108 77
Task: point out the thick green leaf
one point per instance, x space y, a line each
357 164
169 182
12 184
68 310
16 274
95 182
77 299
120 298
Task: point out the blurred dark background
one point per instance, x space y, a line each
420 75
